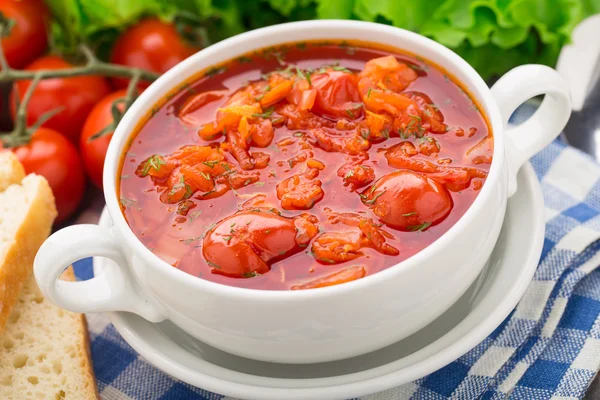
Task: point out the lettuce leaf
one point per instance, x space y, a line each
493 35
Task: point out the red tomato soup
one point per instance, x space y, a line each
303 166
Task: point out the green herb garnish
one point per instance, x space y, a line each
421 227
371 201
205 175
210 164
194 215
265 114
340 68
127 201
327 260
244 60
190 240
154 162
215 71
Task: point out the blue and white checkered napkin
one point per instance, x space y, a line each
549 347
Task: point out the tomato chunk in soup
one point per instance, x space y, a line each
304 166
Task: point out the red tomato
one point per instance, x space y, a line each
52 156
337 95
28 38
408 200
152 45
77 96
93 151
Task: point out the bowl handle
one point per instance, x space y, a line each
113 290
523 141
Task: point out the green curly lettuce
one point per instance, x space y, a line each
492 35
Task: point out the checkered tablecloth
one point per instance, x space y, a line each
548 348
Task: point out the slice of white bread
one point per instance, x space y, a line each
44 351
27 212
11 170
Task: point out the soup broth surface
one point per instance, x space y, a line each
305 165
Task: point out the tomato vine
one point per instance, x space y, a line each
21 133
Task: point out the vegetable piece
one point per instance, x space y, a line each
276 94
396 196
428 146
302 95
482 152
75 97
433 119
192 169
152 45
379 125
337 247
93 150
375 237
197 102
371 235
345 275
352 145
336 95
249 241
387 74
52 156
298 193
228 119
356 176
380 101
454 178
27 39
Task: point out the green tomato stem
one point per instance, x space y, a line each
21 133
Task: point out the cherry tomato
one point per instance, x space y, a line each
408 201
245 244
93 151
77 96
28 38
152 45
52 156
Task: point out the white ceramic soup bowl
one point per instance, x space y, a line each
327 323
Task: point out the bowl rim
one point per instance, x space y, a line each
279 34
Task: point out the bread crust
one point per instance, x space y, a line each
17 285
11 170
69 275
16 257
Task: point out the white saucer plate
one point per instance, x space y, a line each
470 320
